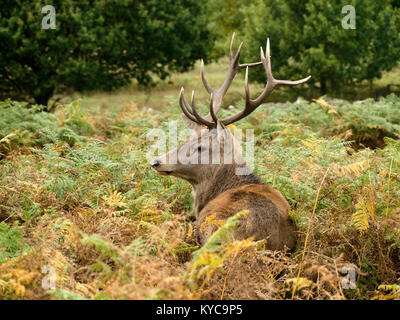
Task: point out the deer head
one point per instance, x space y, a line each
212 145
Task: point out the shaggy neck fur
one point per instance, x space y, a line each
220 180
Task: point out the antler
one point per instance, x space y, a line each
217 95
250 104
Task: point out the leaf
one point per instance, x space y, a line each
115 199
6 139
207 257
360 216
326 105
352 169
299 283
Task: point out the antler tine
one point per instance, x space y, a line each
246 65
185 108
237 55
231 46
203 78
199 118
234 67
212 113
251 105
234 58
217 95
267 61
267 66
272 82
269 72
191 112
246 85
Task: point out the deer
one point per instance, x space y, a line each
225 187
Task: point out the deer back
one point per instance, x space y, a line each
267 217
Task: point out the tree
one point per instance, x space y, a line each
307 37
98 45
225 17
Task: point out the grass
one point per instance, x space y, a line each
168 90
77 195
390 77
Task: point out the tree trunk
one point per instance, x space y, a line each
322 82
44 97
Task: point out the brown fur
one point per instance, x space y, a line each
267 219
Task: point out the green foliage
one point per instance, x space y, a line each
365 123
96 44
11 242
225 18
76 120
102 246
96 205
307 37
205 260
33 126
63 294
371 121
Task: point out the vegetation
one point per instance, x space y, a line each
80 206
100 45
225 18
307 37
77 194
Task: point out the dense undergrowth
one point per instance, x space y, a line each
79 201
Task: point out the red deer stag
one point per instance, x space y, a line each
218 189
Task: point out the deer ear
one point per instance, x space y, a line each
191 125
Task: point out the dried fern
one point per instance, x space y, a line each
206 260
361 216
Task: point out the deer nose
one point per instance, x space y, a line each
155 163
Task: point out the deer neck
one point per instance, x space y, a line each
225 177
